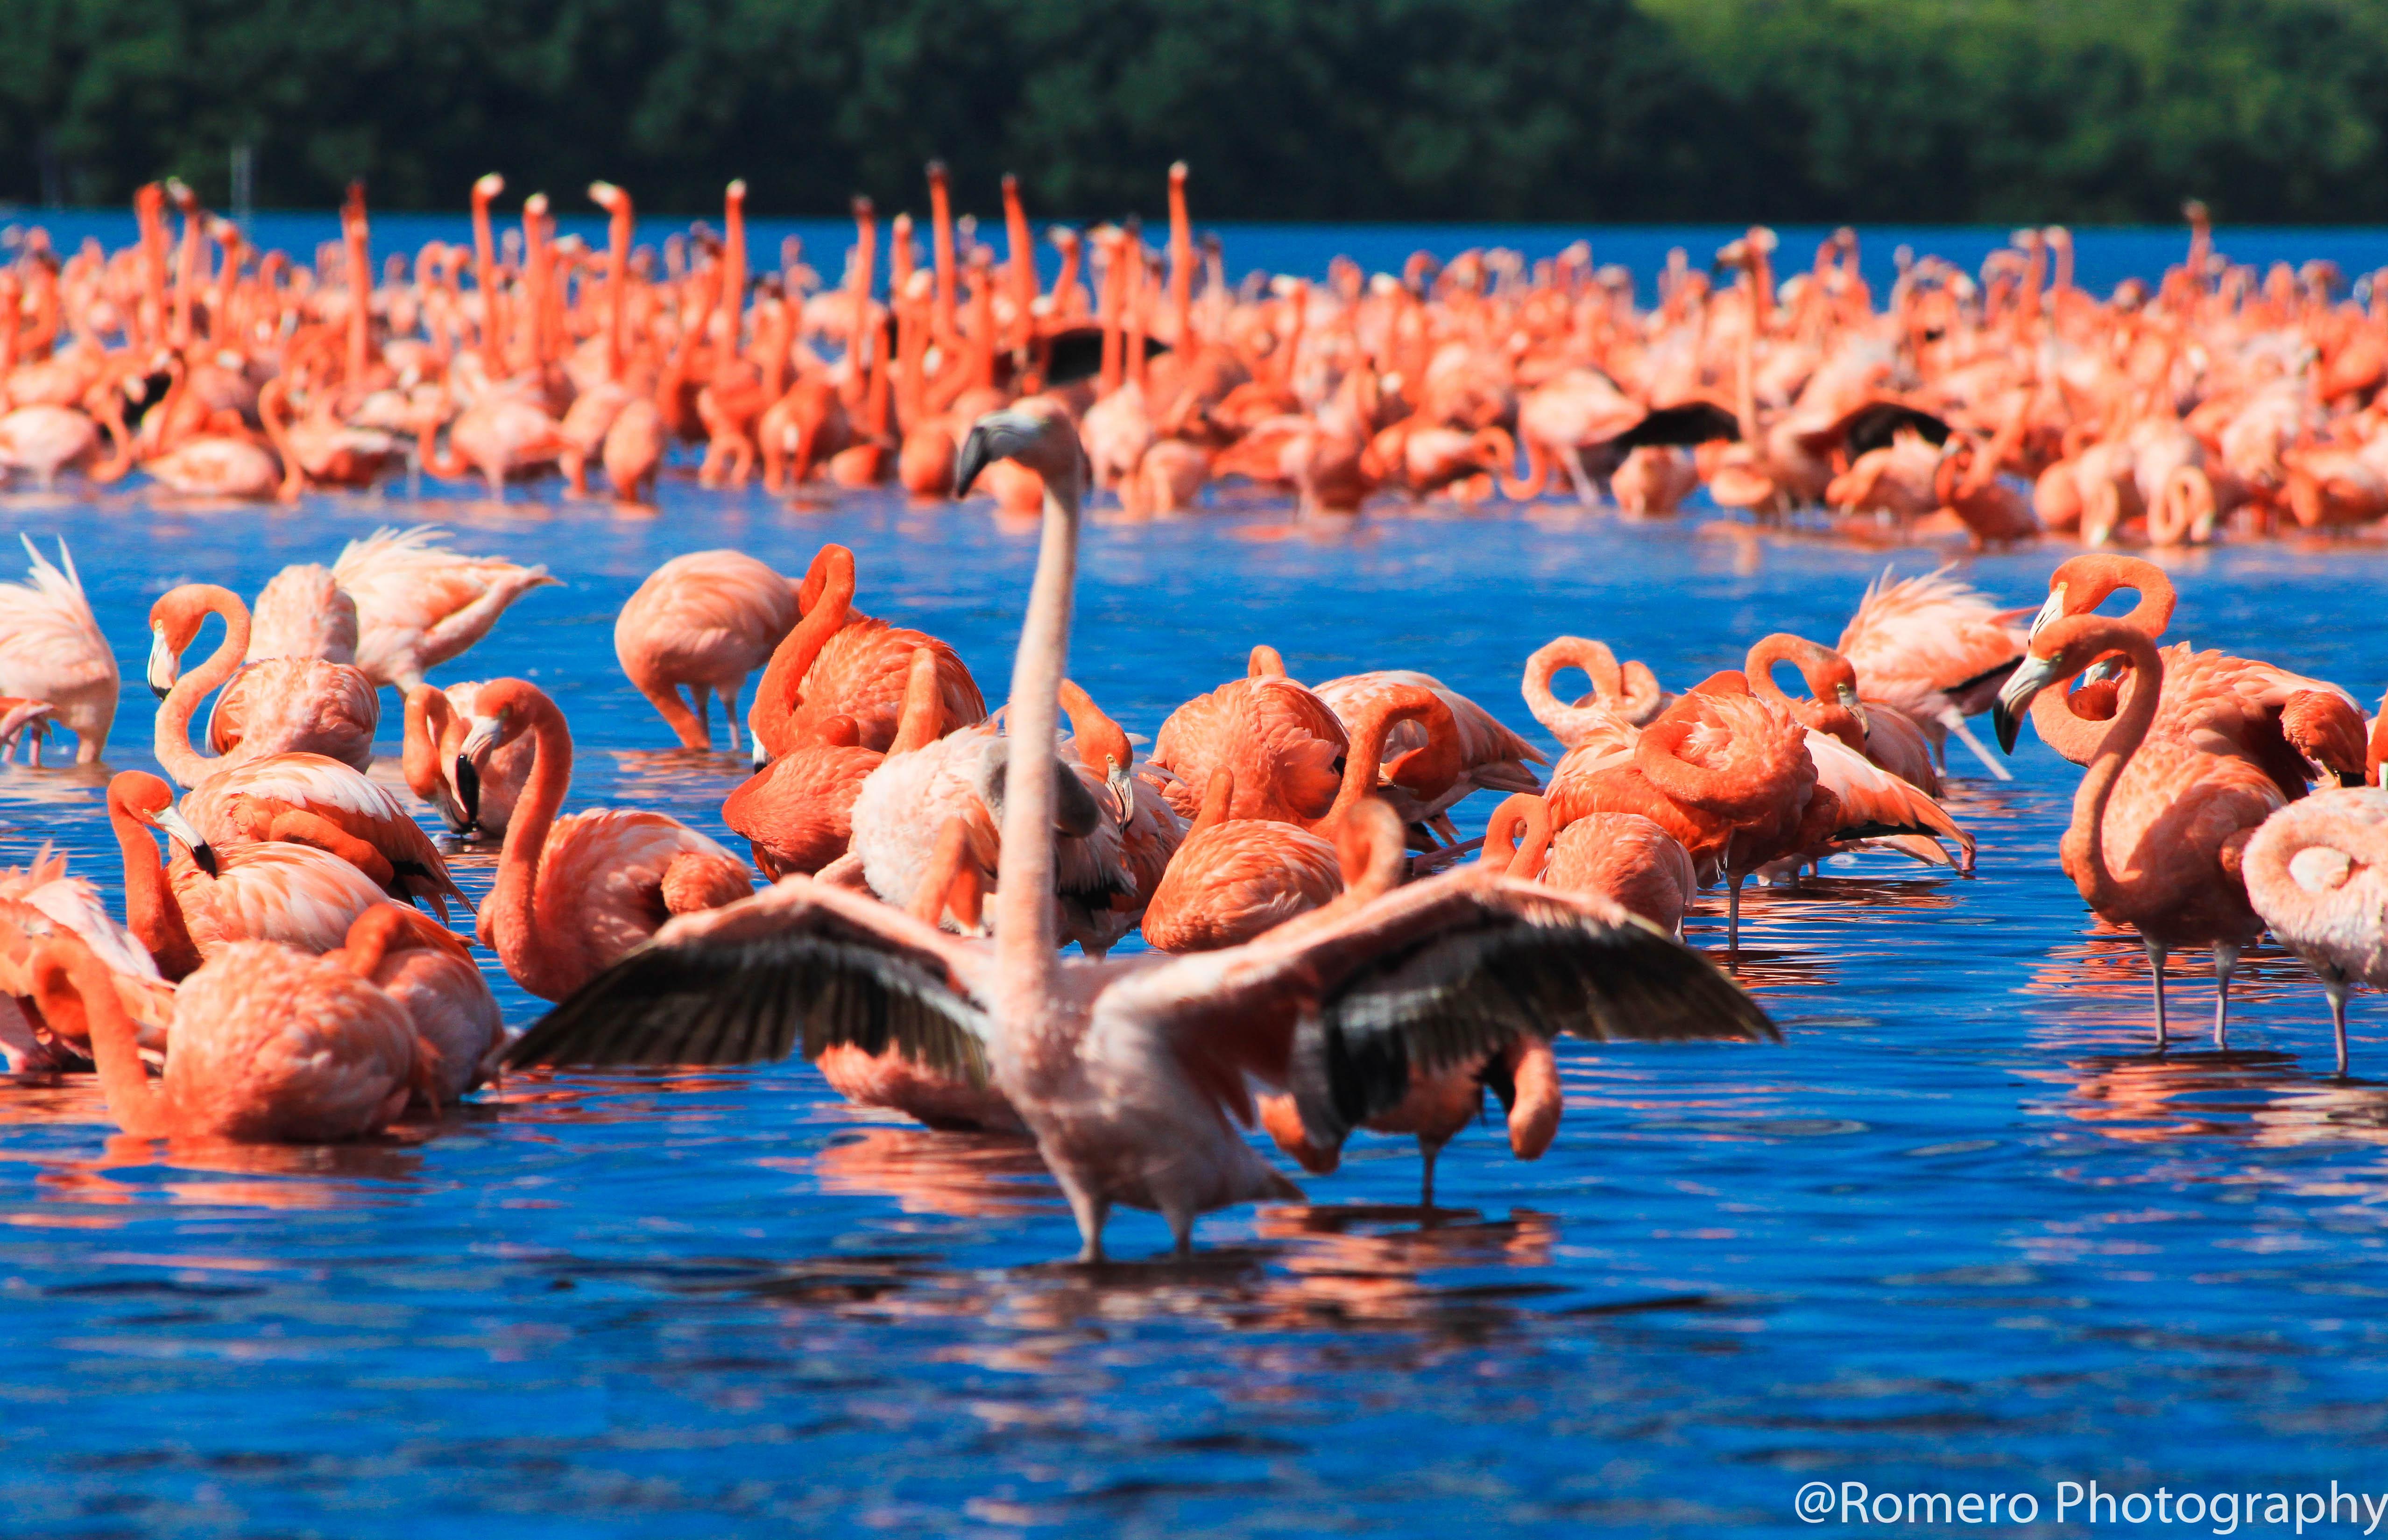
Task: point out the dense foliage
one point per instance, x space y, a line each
1909 110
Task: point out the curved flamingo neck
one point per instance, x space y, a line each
1267 662
1517 839
171 740
2088 579
1028 971
1823 710
430 721
1364 759
2086 838
1217 797
512 898
923 721
772 715
1725 790
151 911
1368 848
71 985
1597 662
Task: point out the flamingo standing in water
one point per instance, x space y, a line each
302 611
269 1045
1935 649
1284 745
427 970
704 621
203 902
1132 1073
2174 808
51 650
574 894
419 603
308 799
1620 856
275 705
2316 870
1490 758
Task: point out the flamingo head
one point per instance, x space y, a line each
1037 432
174 623
2057 652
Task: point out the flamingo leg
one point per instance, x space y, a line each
728 699
1428 1152
2336 989
2226 962
1733 925
1955 721
1090 1212
2155 966
1572 458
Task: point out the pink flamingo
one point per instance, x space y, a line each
1281 741
302 611
275 705
308 799
1629 694
203 903
797 813
419 604
1620 856
2177 807
51 650
1935 649
2317 871
704 621
1490 758
574 894
39 902
427 970
1132 1073
470 798
269 1045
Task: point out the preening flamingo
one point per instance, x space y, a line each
269 1045
308 799
471 798
837 662
702 621
2161 821
51 650
2316 870
303 612
1283 743
1935 649
202 902
419 603
1622 857
1490 757
574 894
1131 1073
1627 692
426 968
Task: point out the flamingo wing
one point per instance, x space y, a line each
802 965
1875 803
1342 1006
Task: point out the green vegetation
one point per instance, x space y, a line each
1395 109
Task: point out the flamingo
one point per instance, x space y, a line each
51 650
38 902
419 604
1245 876
1131 1073
275 705
470 798
27 722
2177 807
704 621
217 465
203 903
2317 871
427 969
840 663
1136 836
1623 856
1881 732
1935 649
1490 756
500 437
269 1045
575 893
308 799
1281 741
45 439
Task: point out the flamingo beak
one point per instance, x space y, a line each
2033 675
468 793
1123 786
175 827
1848 698
481 737
164 667
973 457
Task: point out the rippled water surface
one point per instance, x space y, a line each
1963 1232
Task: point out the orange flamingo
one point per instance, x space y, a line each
1935 649
203 903
2174 808
1281 741
470 798
575 893
302 611
797 813
269 1045
1629 694
1132 1073
427 970
1490 758
1623 856
705 621
38 902
308 799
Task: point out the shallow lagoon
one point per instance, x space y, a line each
1963 1233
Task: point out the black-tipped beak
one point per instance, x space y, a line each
204 856
161 691
969 460
469 790
2031 676
2007 724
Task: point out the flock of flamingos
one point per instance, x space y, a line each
1323 951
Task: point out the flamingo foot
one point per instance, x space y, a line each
2155 966
2226 963
2336 989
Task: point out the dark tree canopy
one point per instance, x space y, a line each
1383 109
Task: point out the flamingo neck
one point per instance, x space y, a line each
429 722
773 713
1598 664
509 917
923 721
1024 936
1363 760
171 739
151 911
1217 798
71 985
2086 839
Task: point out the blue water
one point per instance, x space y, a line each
1962 1232
2104 257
